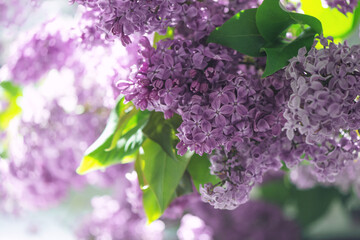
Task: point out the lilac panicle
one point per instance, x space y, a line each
121 19
46 49
323 106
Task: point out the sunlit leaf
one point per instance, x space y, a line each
158 37
119 141
161 173
334 22
9 94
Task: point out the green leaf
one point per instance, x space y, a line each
162 131
278 56
169 34
9 92
313 203
151 205
334 22
185 185
309 204
272 19
120 140
199 169
240 33
161 173
150 202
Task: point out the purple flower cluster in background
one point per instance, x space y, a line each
47 49
254 220
122 216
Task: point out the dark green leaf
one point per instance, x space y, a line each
119 141
312 204
162 173
240 33
162 131
309 204
272 19
278 56
184 186
199 169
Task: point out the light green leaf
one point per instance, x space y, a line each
161 173
334 22
9 92
158 37
120 140
199 169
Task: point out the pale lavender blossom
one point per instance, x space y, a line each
113 219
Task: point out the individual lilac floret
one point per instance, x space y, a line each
343 6
254 220
47 49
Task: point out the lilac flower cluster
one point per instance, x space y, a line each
47 49
43 158
113 219
120 19
121 216
223 105
254 220
343 6
323 109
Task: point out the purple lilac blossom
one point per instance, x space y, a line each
254 220
113 219
343 6
45 50
222 105
120 19
43 158
322 112
48 143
